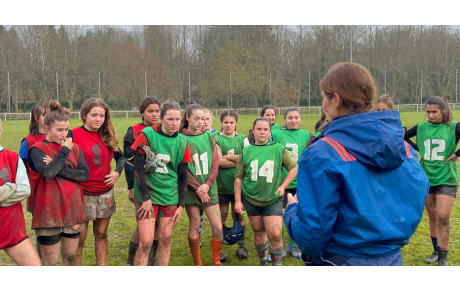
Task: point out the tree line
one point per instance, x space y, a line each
283 64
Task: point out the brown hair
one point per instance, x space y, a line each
146 102
291 109
169 105
228 112
106 131
188 112
262 113
353 83
443 104
37 111
262 119
386 99
56 112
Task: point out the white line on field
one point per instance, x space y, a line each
121 124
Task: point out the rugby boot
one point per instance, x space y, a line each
242 253
442 259
433 258
131 253
223 257
294 252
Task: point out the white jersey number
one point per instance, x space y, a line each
204 161
295 151
231 152
162 160
434 152
265 171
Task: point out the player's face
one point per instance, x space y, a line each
95 118
196 120
261 132
381 106
270 115
434 113
151 114
293 120
229 124
57 132
170 121
207 121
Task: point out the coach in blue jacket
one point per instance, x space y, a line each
361 189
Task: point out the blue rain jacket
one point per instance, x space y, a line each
361 189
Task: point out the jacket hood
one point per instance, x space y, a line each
374 138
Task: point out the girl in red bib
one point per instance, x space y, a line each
99 145
150 111
57 168
14 187
36 134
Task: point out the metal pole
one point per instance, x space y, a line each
270 87
189 93
351 44
100 85
385 82
421 87
57 87
308 92
231 93
145 84
9 97
456 86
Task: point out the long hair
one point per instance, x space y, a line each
228 112
37 111
106 131
353 83
188 112
443 104
56 113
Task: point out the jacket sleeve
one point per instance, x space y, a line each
22 186
214 165
310 221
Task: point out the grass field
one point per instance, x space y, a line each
123 222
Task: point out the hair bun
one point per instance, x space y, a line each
54 105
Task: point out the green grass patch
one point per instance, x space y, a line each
123 222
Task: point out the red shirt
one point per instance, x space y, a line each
98 158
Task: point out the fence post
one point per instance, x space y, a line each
79 117
237 111
279 111
258 109
417 107
319 110
30 116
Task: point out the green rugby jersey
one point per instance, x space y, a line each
226 178
436 142
296 142
260 167
163 182
276 127
201 147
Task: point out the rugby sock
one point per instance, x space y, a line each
434 241
262 251
241 241
153 253
195 249
131 253
282 234
216 247
442 254
276 254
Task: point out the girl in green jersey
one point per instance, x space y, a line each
268 112
260 186
202 191
437 140
230 145
296 141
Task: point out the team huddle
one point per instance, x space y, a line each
352 193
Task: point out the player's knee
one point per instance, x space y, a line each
100 235
444 219
165 240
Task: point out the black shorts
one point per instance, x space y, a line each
293 191
276 209
444 190
54 239
226 198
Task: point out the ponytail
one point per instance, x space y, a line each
188 112
56 113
